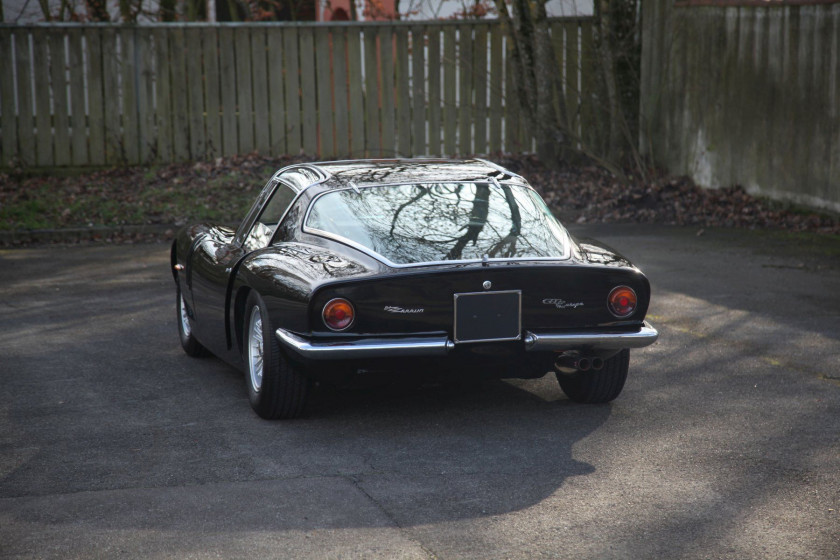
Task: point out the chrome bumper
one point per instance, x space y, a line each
441 345
601 340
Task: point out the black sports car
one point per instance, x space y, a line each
442 266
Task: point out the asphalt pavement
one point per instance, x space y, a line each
724 444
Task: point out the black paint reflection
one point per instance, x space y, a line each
435 222
303 265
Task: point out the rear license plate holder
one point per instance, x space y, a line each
488 316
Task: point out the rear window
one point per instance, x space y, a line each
439 222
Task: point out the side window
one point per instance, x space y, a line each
266 223
287 228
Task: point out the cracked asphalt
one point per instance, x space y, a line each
724 444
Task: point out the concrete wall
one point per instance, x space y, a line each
745 95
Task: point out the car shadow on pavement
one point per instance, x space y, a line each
362 457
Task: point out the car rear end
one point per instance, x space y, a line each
505 319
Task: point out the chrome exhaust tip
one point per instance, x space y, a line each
574 364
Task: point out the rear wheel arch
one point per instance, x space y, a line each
173 259
239 310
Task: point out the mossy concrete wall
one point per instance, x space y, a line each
745 95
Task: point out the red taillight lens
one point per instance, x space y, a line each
622 301
338 314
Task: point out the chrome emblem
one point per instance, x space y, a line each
487 284
395 309
562 303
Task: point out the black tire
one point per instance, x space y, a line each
276 388
188 342
592 387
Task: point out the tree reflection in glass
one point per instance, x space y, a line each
432 222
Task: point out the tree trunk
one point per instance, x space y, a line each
535 67
97 10
45 9
614 143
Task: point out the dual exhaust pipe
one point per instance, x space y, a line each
571 364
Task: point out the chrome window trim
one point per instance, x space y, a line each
381 258
247 224
322 173
501 169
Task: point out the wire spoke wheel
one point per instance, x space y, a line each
185 318
255 349
276 388
191 346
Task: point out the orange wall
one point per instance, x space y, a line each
375 10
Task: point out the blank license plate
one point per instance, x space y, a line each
488 316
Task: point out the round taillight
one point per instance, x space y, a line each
622 301
338 314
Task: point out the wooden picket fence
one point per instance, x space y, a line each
90 95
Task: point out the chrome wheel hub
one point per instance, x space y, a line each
255 349
185 318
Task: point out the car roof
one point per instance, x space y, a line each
341 174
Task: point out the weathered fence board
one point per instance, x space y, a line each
276 94
496 76
212 99
324 87
180 95
43 122
355 80
386 42
58 84
108 94
403 103
418 91
227 83
433 67
9 140
244 89
292 91
8 120
78 122
572 70
259 81
96 110
112 96
449 90
127 64
511 109
465 97
309 126
371 71
480 85
341 85
162 96
145 96
589 103
195 93
26 114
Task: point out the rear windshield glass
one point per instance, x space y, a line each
423 223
